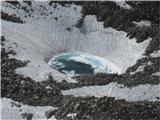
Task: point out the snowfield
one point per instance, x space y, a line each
41 31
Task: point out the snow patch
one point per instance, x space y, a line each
143 23
155 54
156 74
10 112
122 4
138 93
72 115
139 69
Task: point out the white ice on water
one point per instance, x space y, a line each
98 64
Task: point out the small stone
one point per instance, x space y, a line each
22 82
28 116
56 18
68 29
15 104
48 87
49 92
55 5
49 113
36 96
2 38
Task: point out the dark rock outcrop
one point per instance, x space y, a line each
27 116
91 108
11 18
49 113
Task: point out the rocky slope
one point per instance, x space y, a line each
145 70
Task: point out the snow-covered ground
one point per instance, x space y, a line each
12 112
42 36
138 93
